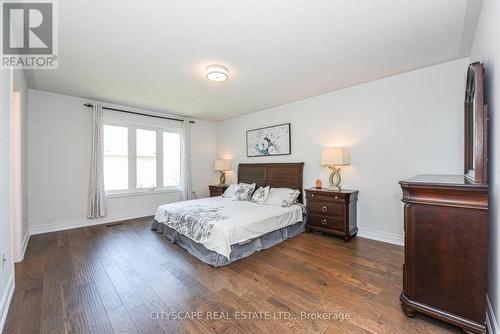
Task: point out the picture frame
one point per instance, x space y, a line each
272 140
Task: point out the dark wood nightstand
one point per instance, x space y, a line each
217 190
332 211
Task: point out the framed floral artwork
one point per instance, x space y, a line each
268 141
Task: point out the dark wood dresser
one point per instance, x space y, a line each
217 190
446 241
332 211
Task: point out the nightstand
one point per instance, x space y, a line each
332 211
217 190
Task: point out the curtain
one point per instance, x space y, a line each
187 189
97 196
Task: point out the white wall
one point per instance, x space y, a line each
59 129
396 128
7 268
486 49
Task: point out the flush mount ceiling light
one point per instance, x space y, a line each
217 73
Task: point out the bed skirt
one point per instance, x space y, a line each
238 251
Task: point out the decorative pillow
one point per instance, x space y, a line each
292 199
282 197
251 185
230 191
244 192
260 195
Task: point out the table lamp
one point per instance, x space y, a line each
332 157
222 166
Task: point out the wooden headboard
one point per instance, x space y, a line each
276 175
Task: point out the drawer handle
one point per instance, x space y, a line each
312 195
324 222
324 209
336 197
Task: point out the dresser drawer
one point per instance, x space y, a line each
325 197
326 222
326 208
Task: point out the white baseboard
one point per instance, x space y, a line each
5 301
67 225
390 238
491 320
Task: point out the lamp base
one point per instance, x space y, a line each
222 179
335 178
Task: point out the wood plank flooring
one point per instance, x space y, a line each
120 279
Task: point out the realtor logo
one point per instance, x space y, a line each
29 34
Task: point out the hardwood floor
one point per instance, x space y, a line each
119 279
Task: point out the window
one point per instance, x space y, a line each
115 157
171 159
146 158
141 156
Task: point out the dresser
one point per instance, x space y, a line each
446 228
332 212
217 190
445 258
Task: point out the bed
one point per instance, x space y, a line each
219 230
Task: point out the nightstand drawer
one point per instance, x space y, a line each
326 208
325 197
217 190
326 222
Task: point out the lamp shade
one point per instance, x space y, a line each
223 165
335 156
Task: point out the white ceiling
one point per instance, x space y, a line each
152 54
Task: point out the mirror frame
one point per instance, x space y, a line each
475 126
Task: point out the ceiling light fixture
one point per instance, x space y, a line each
217 73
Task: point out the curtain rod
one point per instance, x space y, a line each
138 113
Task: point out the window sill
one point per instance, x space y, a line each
142 192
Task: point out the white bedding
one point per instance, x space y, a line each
217 222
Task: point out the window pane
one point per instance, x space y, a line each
115 157
146 159
171 159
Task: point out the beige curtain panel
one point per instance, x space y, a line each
97 195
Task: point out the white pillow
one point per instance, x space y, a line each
230 191
244 191
260 195
284 197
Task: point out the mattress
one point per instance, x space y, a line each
218 223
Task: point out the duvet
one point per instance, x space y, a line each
218 222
